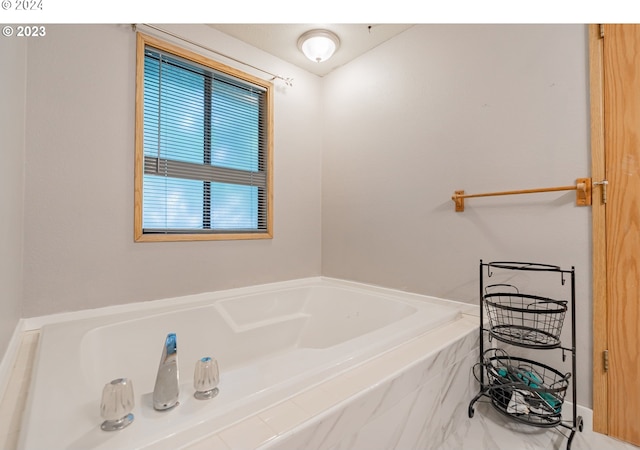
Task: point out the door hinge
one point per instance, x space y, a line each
601 31
604 184
605 360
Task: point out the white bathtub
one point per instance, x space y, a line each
271 341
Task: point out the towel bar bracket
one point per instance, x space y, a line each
459 199
583 192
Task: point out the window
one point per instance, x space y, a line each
203 148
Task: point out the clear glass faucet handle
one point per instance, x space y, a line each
206 377
117 404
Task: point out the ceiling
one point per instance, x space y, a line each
281 40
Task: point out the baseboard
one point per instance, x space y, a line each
582 411
10 356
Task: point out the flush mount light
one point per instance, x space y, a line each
318 45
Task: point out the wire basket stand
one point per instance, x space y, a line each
522 389
525 320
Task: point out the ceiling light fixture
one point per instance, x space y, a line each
318 45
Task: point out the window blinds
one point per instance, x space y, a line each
204 141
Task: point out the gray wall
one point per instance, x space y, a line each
79 249
12 131
446 107
366 161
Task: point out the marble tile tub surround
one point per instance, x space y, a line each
417 410
320 418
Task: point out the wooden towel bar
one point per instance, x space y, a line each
582 188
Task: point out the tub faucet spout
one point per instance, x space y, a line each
165 392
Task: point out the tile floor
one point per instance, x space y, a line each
490 430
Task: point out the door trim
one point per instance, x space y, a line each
599 260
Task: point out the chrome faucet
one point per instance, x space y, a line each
165 392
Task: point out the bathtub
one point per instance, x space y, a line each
271 342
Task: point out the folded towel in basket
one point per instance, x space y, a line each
517 404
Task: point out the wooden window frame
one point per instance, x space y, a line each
144 40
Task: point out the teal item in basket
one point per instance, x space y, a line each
534 382
531 379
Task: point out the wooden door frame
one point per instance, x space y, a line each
599 260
